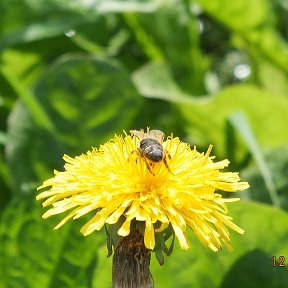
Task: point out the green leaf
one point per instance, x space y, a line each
249 265
184 61
41 30
87 99
5 191
272 77
27 156
240 123
30 101
251 25
241 15
112 6
277 162
266 41
33 255
264 111
154 80
26 21
2 138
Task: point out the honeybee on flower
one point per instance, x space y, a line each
158 198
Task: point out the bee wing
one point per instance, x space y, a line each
139 134
155 134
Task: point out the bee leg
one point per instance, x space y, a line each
167 154
139 154
165 161
166 165
148 166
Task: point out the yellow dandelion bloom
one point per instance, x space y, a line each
117 181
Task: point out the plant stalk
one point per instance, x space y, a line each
131 263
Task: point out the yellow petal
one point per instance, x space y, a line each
125 229
149 237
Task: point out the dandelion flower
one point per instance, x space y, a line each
123 189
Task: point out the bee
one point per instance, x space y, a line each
151 147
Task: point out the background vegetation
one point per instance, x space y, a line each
74 73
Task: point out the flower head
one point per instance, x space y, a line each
122 186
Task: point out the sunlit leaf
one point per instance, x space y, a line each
30 20
242 126
86 99
240 15
199 267
33 255
277 161
155 81
264 111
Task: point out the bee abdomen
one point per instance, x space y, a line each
151 149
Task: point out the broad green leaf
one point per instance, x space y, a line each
242 126
184 61
36 31
26 21
251 25
240 15
272 77
112 6
86 99
30 101
154 80
266 41
32 254
277 161
102 274
265 113
27 154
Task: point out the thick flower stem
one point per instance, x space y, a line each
131 262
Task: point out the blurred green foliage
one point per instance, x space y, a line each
74 73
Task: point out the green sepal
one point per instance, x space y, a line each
168 232
160 244
158 247
108 242
112 235
170 250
